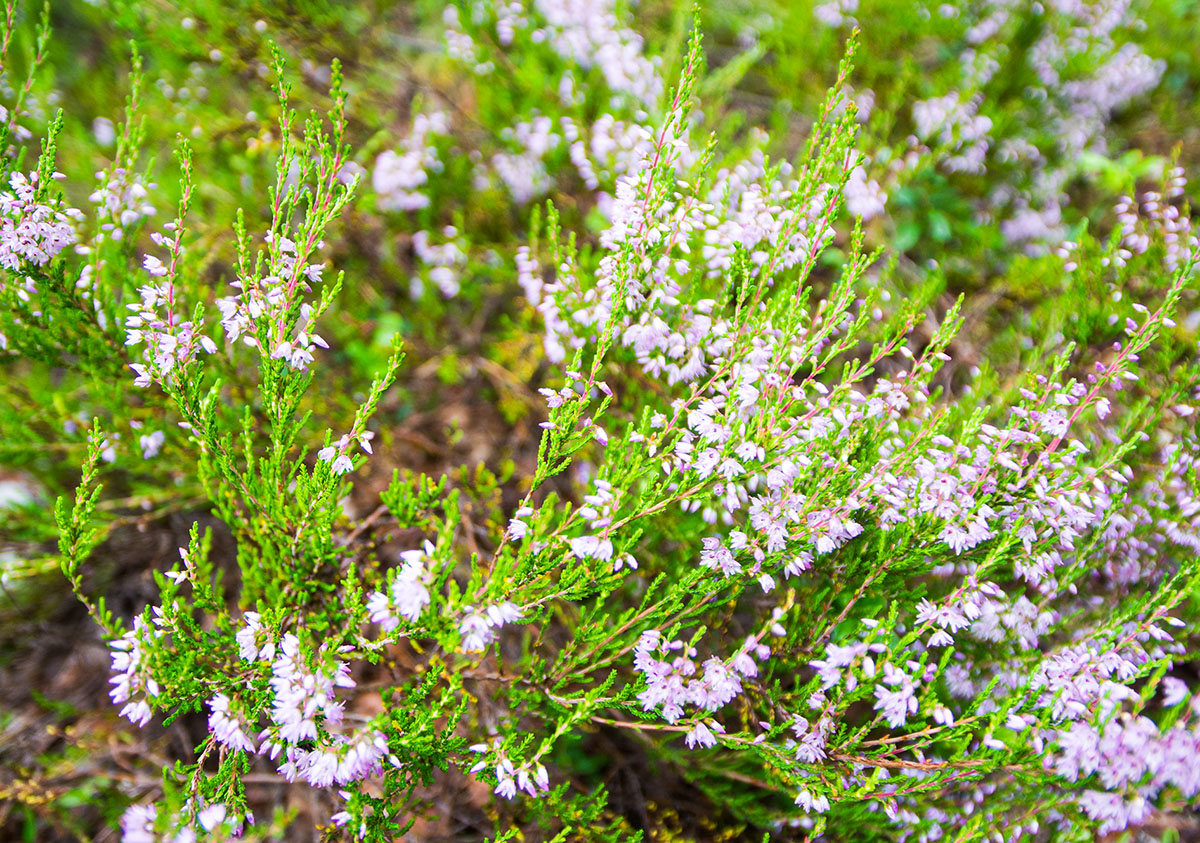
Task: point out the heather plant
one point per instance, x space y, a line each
775 531
989 118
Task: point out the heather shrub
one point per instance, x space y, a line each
842 478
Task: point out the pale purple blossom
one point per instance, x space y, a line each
254 640
134 685
137 824
895 697
529 777
227 725
702 736
479 627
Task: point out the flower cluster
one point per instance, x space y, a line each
171 342
583 34
121 201
259 314
1080 70
530 777
956 124
213 821
675 682
1134 760
134 686
480 627
524 172
408 594
32 233
338 453
445 262
399 177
